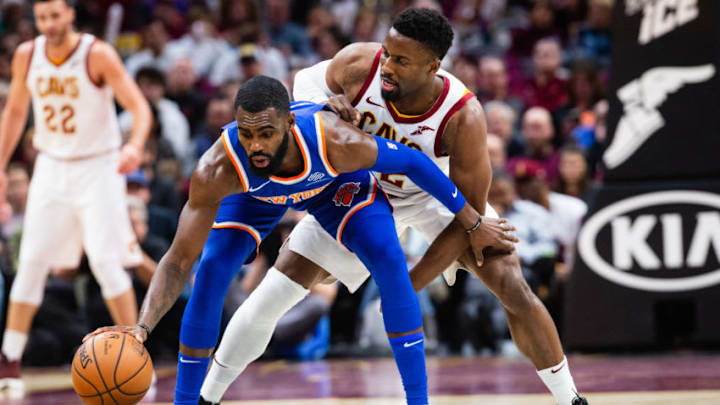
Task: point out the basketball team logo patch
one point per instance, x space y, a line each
346 193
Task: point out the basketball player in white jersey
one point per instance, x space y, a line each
399 92
76 200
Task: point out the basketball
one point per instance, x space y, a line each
111 368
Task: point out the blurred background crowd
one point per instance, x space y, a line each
539 68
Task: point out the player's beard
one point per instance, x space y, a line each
275 160
392 95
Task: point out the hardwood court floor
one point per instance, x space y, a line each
675 379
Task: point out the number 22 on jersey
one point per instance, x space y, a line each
60 120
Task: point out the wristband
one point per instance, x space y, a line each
474 227
147 328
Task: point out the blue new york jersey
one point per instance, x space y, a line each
293 192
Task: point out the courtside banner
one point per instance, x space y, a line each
647 267
664 117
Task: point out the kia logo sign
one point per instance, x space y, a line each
677 254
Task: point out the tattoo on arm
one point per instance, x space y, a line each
165 288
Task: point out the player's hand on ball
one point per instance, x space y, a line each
344 108
130 158
136 331
493 233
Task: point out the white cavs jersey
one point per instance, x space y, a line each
423 132
74 117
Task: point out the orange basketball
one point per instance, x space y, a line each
111 368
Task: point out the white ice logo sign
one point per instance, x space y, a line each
641 99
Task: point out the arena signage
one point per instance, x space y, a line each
663 241
662 121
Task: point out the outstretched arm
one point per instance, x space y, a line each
349 150
212 180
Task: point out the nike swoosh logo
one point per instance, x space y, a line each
250 190
454 194
188 361
412 344
371 102
558 369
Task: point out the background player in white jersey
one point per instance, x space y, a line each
77 194
402 95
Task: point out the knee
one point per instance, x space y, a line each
513 290
111 277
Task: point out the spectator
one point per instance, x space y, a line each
267 60
496 150
219 112
181 89
573 179
537 248
366 25
167 12
235 14
466 70
288 36
174 125
501 122
162 222
330 42
199 45
538 133
319 20
155 52
494 84
584 86
542 20
566 212
594 37
546 88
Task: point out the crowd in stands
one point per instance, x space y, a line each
539 67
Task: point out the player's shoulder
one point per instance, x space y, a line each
24 51
214 176
26 48
356 60
101 49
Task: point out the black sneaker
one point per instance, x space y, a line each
579 401
202 401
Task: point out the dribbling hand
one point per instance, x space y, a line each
494 233
136 331
342 106
130 158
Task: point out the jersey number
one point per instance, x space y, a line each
65 118
397 182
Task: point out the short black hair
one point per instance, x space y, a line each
426 26
261 93
154 75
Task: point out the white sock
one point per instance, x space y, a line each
560 382
249 331
14 344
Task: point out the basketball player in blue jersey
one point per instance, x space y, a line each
398 91
274 157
